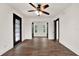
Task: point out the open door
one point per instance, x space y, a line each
17 35
56 29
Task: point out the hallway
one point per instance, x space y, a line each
39 47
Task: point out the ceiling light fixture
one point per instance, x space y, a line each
38 13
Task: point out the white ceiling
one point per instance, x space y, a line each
53 9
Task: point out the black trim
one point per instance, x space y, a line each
32 30
55 28
58 29
47 29
19 18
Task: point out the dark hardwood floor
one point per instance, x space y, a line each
39 47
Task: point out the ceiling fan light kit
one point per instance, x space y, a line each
38 13
39 9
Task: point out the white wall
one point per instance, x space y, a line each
6 27
6 30
69 28
28 25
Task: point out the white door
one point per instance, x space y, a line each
40 29
17 30
57 30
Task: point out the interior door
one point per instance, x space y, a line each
40 29
17 35
56 29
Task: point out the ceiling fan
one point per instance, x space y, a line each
39 9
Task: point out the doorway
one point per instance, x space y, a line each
40 29
56 29
17 29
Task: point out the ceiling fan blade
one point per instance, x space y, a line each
31 10
45 6
32 5
45 12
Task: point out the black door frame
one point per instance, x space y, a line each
20 19
33 29
55 29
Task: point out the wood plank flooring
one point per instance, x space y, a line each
39 47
